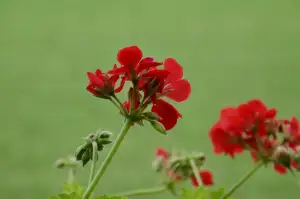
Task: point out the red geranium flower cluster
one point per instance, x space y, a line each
150 85
177 168
253 127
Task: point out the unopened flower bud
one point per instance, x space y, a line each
84 153
158 127
150 116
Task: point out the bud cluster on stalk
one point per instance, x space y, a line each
84 153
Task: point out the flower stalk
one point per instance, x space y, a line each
243 180
107 159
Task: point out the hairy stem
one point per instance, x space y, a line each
93 165
107 159
242 181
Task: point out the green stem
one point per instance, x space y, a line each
143 192
107 159
71 175
116 104
195 171
242 181
93 165
120 104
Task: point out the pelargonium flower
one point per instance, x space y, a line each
253 127
149 85
239 127
101 84
132 65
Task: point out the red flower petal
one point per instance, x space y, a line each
280 169
118 71
194 181
271 113
129 56
122 83
96 80
294 125
167 112
160 152
206 178
157 74
176 72
113 79
91 89
146 64
180 90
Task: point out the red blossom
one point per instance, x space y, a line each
133 65
253 126
150 84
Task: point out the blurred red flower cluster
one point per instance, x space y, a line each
254 127
149 84
178 168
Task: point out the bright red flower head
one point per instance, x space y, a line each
242 127
133 65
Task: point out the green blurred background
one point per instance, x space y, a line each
231 51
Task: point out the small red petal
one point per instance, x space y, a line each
280 169
129 56
294 125
118 71
122 83
181 90
98 72
113 79
206 177
96 80
157 74
176 72
271 113
160 152
294 164
90 88
146 64
167 112
194 181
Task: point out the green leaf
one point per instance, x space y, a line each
200 193
218 194
110 197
